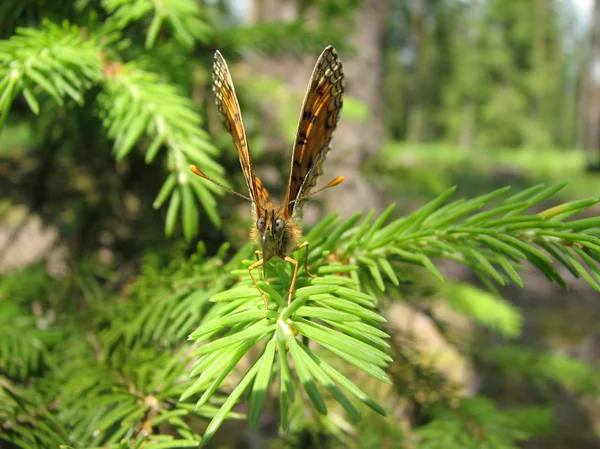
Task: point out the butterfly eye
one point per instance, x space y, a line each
260 224
279 225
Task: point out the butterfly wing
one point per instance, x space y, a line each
229 108
262 194
319 117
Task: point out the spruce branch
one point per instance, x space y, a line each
112 393
477 423
545 369
25 344
137 104
495 242
182 16
349 329
351 255
484 308
26 416
55 60
167 304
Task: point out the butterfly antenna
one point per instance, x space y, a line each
332 183
195 170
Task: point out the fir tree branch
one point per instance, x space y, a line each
56 60
26 418
502 235
349 330
545 369
112 392
136 104
183 17
476 422
484 308
25 344
498 239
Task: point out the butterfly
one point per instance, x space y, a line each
276 227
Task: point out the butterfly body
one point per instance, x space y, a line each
275 235
276 227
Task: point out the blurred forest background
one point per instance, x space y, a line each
104 104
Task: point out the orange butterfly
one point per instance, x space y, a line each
276 227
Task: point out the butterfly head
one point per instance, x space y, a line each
274 232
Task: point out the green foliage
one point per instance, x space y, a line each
477 423
493 242
129 71
136 103
484 308
279 39
479 74
27 419
183 17
106 380
350 331
369 252
26 332
136 106
124 375
99 359
24 347
55 60
545 369
125 395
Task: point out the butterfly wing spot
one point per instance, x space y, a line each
301 139
310 116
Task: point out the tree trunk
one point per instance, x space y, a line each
469 127
416 123
590 95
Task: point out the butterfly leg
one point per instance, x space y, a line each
305 245
257 264
260 273
294 276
